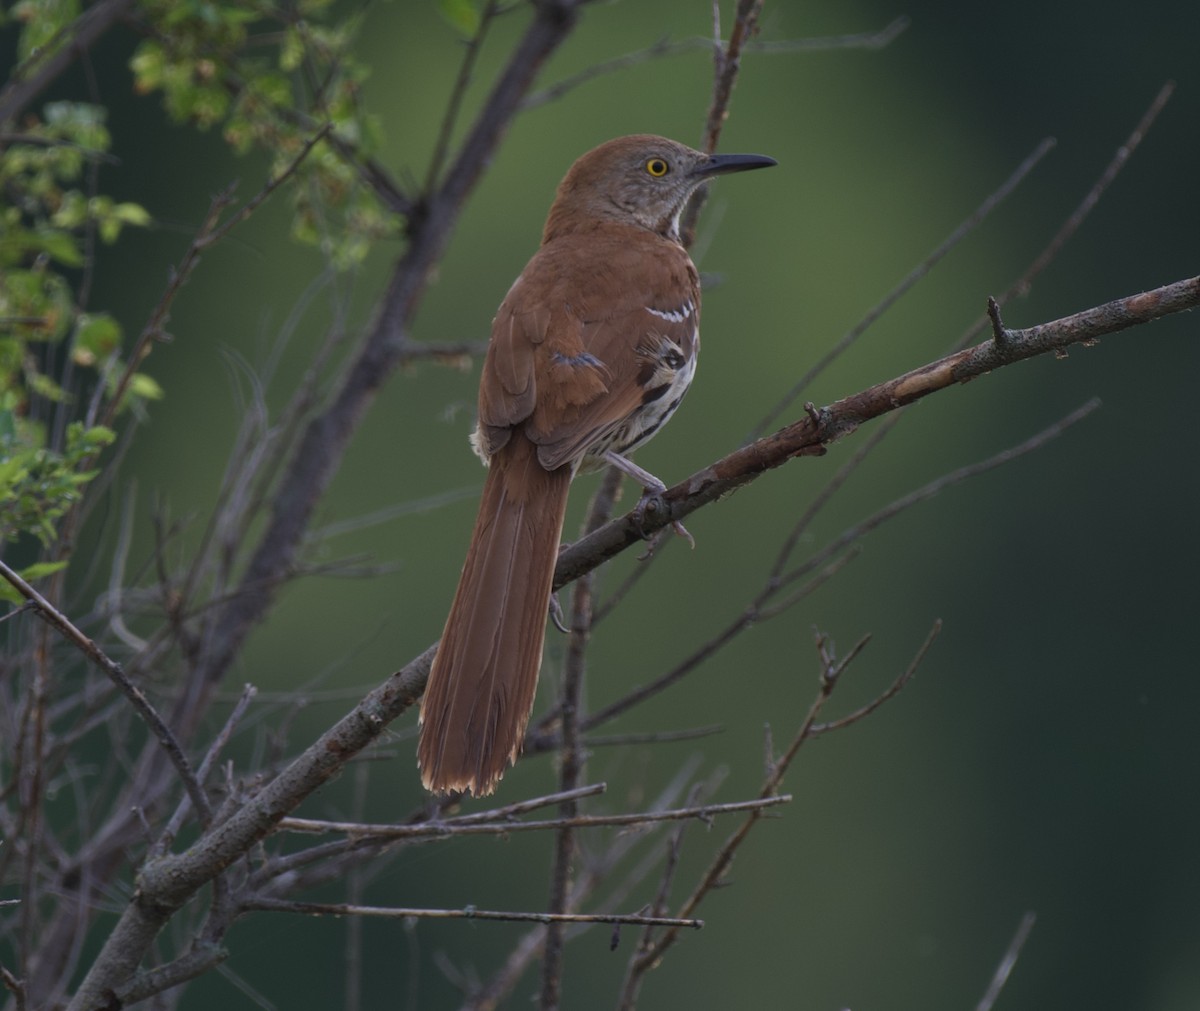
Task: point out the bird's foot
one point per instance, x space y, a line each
651 500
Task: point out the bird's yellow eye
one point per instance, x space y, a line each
657 167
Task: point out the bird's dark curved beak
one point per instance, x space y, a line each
722 164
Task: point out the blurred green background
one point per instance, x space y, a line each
1046 756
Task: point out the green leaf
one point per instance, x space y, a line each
96 437
61 246
31 573
132 214
46 387
97 337
148 66
291 51
463 16
141 385
40 570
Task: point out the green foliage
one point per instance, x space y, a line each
272 96
45 216
44 221
38 485
45 23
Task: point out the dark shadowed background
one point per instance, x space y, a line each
1046 756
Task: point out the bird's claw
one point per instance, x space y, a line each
556 614
683 532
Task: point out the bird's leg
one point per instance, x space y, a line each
651 486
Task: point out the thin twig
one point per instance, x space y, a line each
653 736
894 689
217 746
266 904
520 807
438 830
29 605
153 981
205 240
921 270
457 354
1110 172
726 65
356 882
698 44
1007 963
1069 227
855 533
473 47
822 497
670 865
102 411
14 986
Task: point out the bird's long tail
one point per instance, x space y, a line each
480 691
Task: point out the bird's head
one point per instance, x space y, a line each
643 180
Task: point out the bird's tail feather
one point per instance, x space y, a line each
480 690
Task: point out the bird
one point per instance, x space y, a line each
591 351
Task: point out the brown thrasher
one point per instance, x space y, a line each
591 351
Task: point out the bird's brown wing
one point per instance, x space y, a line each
574 345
